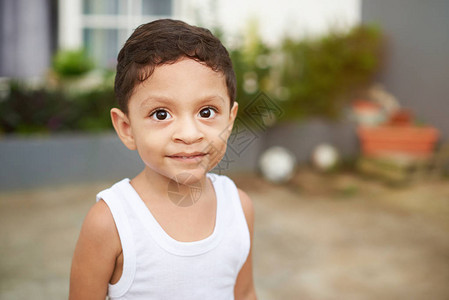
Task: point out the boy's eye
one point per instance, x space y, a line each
207 113
161 115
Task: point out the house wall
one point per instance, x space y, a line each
417 55
62 159
28 35
25 38
276 19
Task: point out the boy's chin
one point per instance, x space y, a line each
189 177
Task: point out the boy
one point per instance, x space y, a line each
174 231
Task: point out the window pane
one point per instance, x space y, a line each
157 7
100 7
102 46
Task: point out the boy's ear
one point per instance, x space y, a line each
234 110
233 115
122 126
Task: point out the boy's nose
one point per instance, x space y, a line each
187 132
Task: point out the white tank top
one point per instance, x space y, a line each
156 266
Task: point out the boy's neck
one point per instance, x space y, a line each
156 187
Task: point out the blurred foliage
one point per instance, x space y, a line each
71 63
308 77
252 63
320 76
41 110
305 77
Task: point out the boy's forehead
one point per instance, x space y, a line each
185 73
183 79
185 63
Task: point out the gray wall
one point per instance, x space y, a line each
302 138
27 162
417 66
25 38
60 159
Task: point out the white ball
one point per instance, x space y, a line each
325 157
277 164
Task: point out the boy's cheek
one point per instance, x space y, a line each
223 132
215 157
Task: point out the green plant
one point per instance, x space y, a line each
71 63
252 65
319 75
96 106
41 110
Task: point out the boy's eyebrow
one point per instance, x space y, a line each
168 100
159 99
212 97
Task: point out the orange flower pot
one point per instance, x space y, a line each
410 140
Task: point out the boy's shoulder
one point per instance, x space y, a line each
95 254
99 223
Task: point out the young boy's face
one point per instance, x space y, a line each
179 119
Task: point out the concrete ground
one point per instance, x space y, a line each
319 237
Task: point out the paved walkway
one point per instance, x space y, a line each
321 237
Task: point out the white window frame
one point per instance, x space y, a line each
72 21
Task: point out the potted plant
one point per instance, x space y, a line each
389 139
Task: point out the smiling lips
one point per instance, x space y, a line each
187 157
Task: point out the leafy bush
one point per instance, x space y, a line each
42 110
308 77
252 66
320 75
71 63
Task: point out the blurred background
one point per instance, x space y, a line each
341 138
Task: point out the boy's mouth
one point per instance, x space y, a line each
183 156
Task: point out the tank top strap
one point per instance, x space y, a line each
233 211
226 189
116 202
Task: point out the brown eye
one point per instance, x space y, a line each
207 113
161 115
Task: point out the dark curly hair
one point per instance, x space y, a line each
165 41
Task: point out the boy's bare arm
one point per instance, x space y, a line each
244 287
95 255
